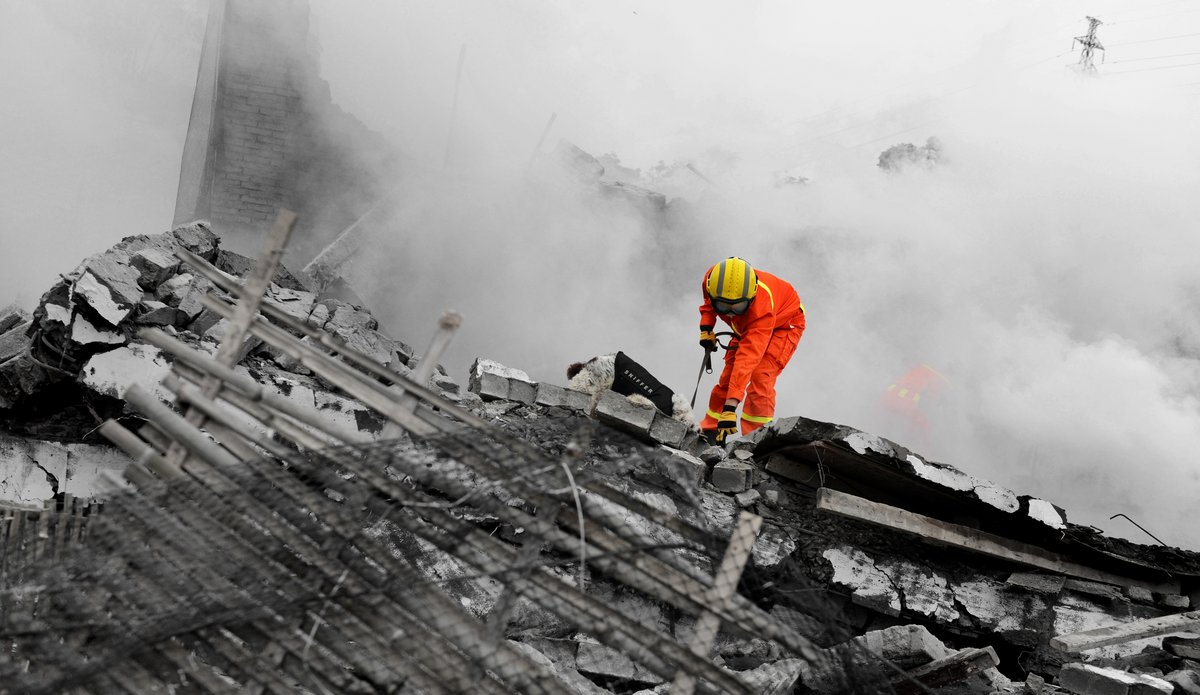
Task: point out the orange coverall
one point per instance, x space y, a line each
765 338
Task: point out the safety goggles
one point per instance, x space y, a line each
734 307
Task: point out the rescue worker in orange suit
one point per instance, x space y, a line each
908 401
767 320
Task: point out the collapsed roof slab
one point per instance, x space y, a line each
815 454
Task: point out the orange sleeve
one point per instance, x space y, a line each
708 317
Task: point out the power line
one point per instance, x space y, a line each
1146 19
1152 7
1163 38
1165 67
1173 55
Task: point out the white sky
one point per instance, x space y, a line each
1048 268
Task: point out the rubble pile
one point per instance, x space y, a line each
874 570
1012 575
63 368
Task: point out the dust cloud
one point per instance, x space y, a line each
1046 266
95 108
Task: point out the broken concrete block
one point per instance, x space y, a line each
953 669
83 332
1086 679
693 443
184 292
1104 591
369 343
491 379
1172 600
56 313
347 316
685 469
240 266
712 455
907 646
1036 685
21 375
152 312
891 586
112 269
154 267
1186 682
1138 593
1047 513
297 304
522 391
1038 583
197 237
773 546
774 678
742 454
14 341
732 476
110 373
11 317
216 333
445 383
618 411
602 660
204 322
404 351
489 386
667 430
748 498
1186 647
553 396
560 661
468 400
108 305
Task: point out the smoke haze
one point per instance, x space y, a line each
1047 267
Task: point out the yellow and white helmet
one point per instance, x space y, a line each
731 285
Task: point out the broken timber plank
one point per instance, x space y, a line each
1127 632
244 312
724 585
948 670
944 533
270 309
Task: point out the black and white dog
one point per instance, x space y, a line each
619 373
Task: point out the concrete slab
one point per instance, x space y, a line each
732 476
616 410
1085 679
667 430
554 396
154 266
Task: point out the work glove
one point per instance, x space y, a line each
726 424
708 339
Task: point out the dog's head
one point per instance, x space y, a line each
594 376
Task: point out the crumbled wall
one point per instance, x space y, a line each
265 134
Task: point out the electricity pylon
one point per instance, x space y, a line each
1090 44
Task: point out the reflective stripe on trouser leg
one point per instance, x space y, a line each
716 399
759 406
